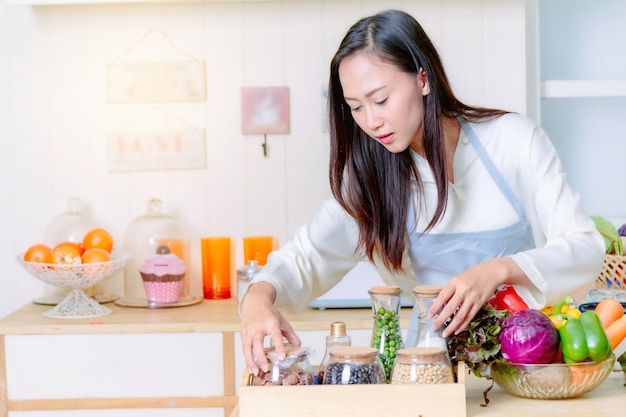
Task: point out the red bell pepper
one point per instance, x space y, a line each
506 298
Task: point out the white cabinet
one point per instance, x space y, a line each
178 362
133 365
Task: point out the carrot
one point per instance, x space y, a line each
609 310
616 332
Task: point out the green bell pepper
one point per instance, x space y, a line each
583 338
597 341
573 340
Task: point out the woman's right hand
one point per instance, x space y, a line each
259 318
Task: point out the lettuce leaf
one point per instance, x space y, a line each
478 345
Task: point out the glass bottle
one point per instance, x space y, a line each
337 337
426 335
244 276
428 365
295 369
351 365
386 334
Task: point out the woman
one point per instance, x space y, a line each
428 187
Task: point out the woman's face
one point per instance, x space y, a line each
385 102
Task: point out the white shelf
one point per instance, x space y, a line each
583 88
86 2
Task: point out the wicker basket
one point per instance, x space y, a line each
613 275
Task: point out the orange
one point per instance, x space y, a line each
98 238
95 255
66 254
39 252
74 245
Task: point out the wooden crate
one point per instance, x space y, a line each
436 400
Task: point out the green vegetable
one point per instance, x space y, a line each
573 340
597 341
583 338
622 361
478 345
612 239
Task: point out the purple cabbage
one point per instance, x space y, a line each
622 230
528 336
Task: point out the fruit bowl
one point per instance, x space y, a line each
76 278
551 381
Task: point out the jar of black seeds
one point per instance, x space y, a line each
350 365
427 365
295 369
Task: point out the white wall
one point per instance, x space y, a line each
54 116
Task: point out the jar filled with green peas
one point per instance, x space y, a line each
386 333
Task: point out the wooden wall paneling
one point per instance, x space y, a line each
264 65
4 398
505 66
306 161
371 7
134 189
7 169
462 49
67 131
225 191
32 144
429 14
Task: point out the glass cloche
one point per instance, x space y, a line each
70 226
144 236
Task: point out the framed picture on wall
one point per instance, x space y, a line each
265 110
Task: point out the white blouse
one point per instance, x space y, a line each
569 250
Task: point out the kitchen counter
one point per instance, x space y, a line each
108 362
207 316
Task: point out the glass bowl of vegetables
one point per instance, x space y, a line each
550 381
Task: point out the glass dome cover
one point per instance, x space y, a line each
69 226
142 238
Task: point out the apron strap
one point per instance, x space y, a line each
493 170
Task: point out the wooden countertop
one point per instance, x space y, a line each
207 316
603 401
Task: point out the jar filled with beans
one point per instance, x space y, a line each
295 369
351 365
386 334
422 366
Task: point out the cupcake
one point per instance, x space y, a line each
162 276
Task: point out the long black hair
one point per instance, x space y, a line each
372 184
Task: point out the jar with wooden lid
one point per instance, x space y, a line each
425 295
350 365
429 365
386 332
295 369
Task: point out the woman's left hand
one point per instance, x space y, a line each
466 293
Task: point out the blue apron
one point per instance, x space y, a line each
438 257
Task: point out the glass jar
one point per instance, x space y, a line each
337 337
142 237
244 276
386 334
351 365
426 335
430 365
295 369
